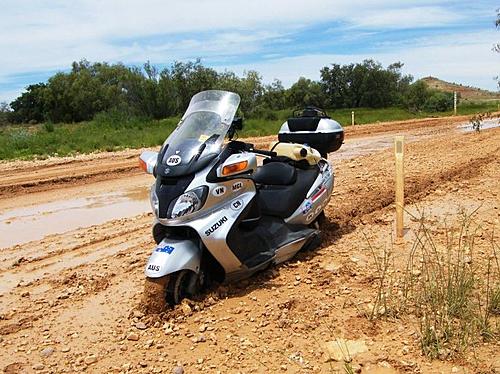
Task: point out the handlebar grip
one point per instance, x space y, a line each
265 153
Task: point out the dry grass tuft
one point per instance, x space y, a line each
455 298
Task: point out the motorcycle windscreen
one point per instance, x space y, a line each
201 131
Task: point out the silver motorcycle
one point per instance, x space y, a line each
225 210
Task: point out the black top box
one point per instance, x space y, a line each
313 127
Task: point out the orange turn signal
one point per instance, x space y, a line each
143 165
234 168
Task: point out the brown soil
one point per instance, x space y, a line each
72 302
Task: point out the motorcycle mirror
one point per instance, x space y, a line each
237 123
147 161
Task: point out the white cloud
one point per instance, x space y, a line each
413 17
47 35
39 35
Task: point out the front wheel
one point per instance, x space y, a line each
183 284
160 293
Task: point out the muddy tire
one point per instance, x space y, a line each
162 293
183 284
154 296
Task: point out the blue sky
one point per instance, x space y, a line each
282 39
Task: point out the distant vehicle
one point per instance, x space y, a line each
221 217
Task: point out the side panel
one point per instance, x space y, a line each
316 200
213 230
173 255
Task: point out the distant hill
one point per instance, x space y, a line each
467 93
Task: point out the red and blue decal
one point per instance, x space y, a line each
166 249
318 194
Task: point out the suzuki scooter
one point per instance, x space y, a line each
220 213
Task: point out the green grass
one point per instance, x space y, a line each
112 132
66 139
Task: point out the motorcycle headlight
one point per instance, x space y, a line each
153 199
189 202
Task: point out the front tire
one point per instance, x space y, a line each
153 298
170 290
183 284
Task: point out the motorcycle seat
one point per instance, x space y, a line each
282 200
275 173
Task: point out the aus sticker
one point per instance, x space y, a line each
236 205
153 267
166 249
237 186
174 160
219 191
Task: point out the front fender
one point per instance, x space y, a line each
173 255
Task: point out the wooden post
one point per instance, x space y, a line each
352 118
399 154
455 103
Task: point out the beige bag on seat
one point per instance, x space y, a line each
297 152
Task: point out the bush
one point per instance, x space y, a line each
48 126
439 102
20 138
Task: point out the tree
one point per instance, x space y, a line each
366 84
5 111
416 96
439 102
30 105
305 92
274 96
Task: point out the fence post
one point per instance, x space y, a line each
352 118
399 155
455 103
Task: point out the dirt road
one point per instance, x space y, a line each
71 282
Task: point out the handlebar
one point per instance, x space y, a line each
240 146
263 152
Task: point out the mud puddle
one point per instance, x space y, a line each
10 279
366 146
485 125
22 225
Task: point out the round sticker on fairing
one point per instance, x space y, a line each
219 191
174 160
236 205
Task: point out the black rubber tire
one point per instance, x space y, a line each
183 284
176 289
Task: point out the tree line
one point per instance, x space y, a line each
92 88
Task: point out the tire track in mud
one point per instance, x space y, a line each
62 284
57 244
373 189
56 176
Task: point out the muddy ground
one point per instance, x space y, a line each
75 235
